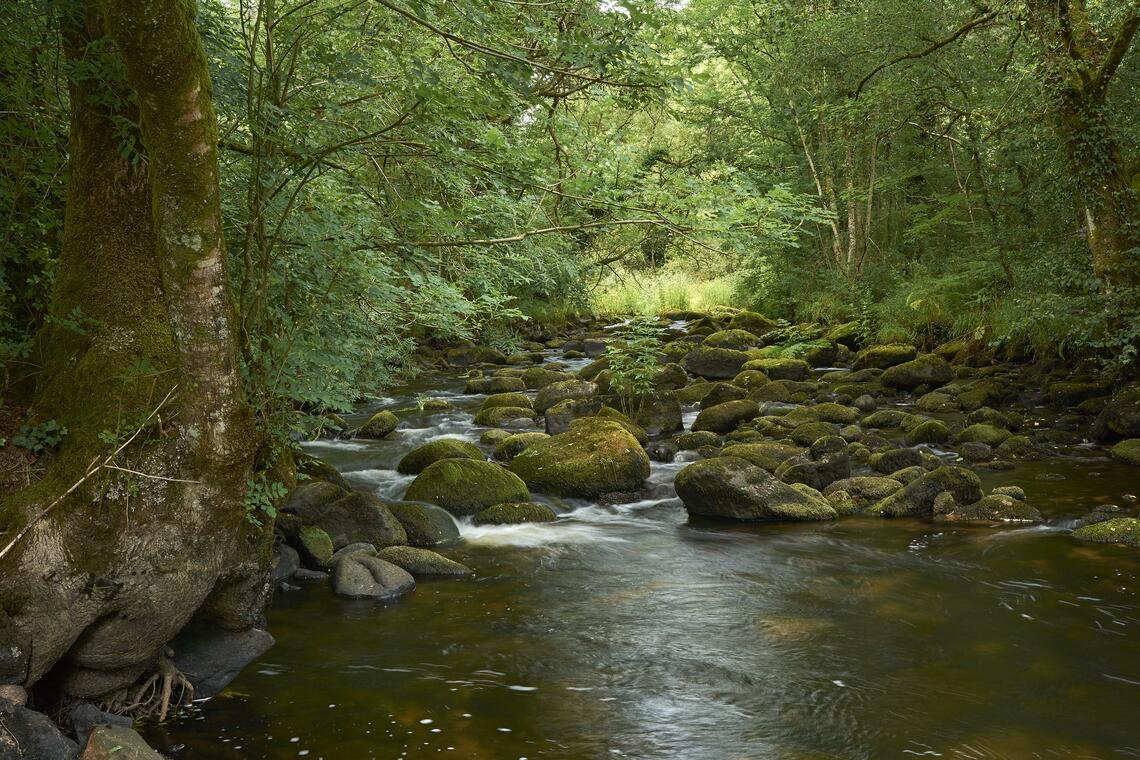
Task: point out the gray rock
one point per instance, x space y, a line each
424 563
285 562
117 743
365 576
734 488
425 524
824 463
211 657
28 735
86 716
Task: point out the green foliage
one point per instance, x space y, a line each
261 495
40 438
634 360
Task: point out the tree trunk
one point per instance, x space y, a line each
101 580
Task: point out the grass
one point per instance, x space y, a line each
666 289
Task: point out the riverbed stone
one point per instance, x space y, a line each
721 393
1121 530
865 490
809 432
425 524
284 563
509 448
379 425
517 400
985 392
927 370
824 463
936 401
117 742
211 657
559 417
752 321
566 390
726 416
424 563
734 488
540 377
495 384
358 516
314 546
27 734
826 411
1066 393
85 717
732 338
701 439
1120 418
660 413
887 462
590 459
365 576
515 513
884 356
714 363
781 368
766 454
465 486
1127 451
975 451
418 460
1018 447
917 498
990 435
505 416
995 508
929 431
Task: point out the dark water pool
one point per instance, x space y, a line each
629 632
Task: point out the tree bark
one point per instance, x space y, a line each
99 582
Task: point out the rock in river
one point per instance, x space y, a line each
465 486
364 575
735 488
597 456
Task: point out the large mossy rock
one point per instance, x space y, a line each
1127 451
930 431
722 392
847 334
417 460
540 377
354 517
660 413
497 384
425 524
929 369
781 368
671 377
517 400
561 416
505 416
990 435
508 448
865 490
917 498
1121 530
515 514
379 425
363 575
824 463
882 357
726 417
567 390
735 339
752 321
734 488
995 508
766 454
985 392
596 457
714 363
1120 418
828 411
465 486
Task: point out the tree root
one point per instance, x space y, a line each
165 688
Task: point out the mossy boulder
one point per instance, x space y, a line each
995 508
824 463
424 563
587 461
1071 393
929 370
936 401
766 454
561 416
810 432
917 498
985 392
567 390
822 353
671 377
314 547
884 356
352 517
1121 530
417 460
890 419
515 514
495 436
930 431
1018 447
847 334
828 411
1127 451
508 448
893 460
695 441
991 435
505 416
726 417
737 339
609 413
379 425
315 468
694 392
660 413
1120 418
363 575
750 379
425 524
497 384
714 363
722 392
517 400
865 490
752 321
734 488
781 368
540 377
465 486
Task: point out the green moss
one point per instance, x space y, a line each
501 416
589 460
514 514
736 339
517 400
379 425
1127 451
1122 530
510 447
417 460
466 486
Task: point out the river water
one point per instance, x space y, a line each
631 632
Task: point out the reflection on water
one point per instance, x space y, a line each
630 632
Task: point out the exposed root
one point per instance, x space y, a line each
165 688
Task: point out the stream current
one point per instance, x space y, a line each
632 632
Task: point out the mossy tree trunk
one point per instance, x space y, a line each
98 584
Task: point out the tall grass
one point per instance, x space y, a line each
667 289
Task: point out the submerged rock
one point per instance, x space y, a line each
735 488
595 457
466 486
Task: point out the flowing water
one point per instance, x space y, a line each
631 632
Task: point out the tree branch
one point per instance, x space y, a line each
1118 48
